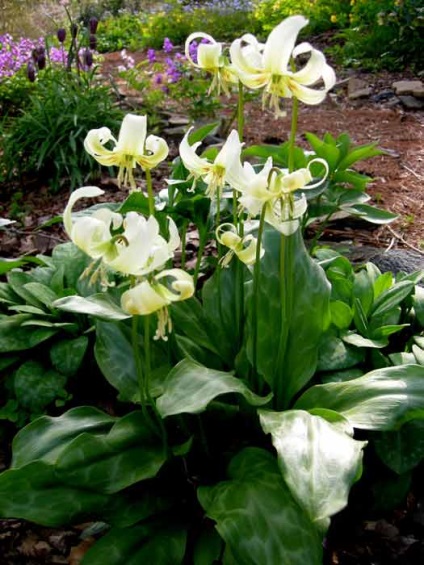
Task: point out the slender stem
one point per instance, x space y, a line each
292 138
148 371
184 243
240 111
202 242
138 362
150 192
255 303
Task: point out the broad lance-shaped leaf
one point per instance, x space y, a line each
318 461
139 544
46 437
34 493
380 400
98 305
190 387
293 312
92 450
403 449
257 516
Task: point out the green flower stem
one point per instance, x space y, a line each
202 242
286 303
256 277
293 130
150 194
138 364
240 111
148 372
183 243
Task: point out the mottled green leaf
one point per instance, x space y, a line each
67 354
35 387
402 449
98 305
319 463
190 387
380 400
257 516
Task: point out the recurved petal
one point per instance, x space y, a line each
208 56
83 192
307 95
280 44
314 70
182 285
195 164
156 151
194 37
230 152
94 145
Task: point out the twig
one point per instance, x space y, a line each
419 177
400 238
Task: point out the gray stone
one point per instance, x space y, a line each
358 88
418 92
404 87
412 103
399 261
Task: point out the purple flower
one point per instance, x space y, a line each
167 45
158 79
151 56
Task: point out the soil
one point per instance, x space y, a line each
357 536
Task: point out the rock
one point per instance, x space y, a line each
383 95
404 87
357 89
418 92
396 261
412 103
177 120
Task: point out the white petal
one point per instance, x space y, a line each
280 44
182 285
142 300
195 164
84 192
132 135
193 37
208 56
156 151
94 145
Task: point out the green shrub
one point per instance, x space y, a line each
47 138
119 32
385 33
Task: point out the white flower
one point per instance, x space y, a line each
131 148
92 233
244 247
214 174
148 297
269 66
211 59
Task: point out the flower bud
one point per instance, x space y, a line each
92 25
31 72
61 34
92 41
87 58
74 30
41 60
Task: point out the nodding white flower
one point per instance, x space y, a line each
211 59
151 296
215 173
244 247
270 65
140 247
92 233
131 148
130 245
273 189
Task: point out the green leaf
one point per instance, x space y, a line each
188 317
115 357
257 516
7 265
34 493
370 213
190 387
42 293
67 355
403 449
289 334
155 545
358 341
318 462
98 305
110 462
199 134
14 337
46 437
36 388
341 314
390 298
360 153
335 355
136 202
380 400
